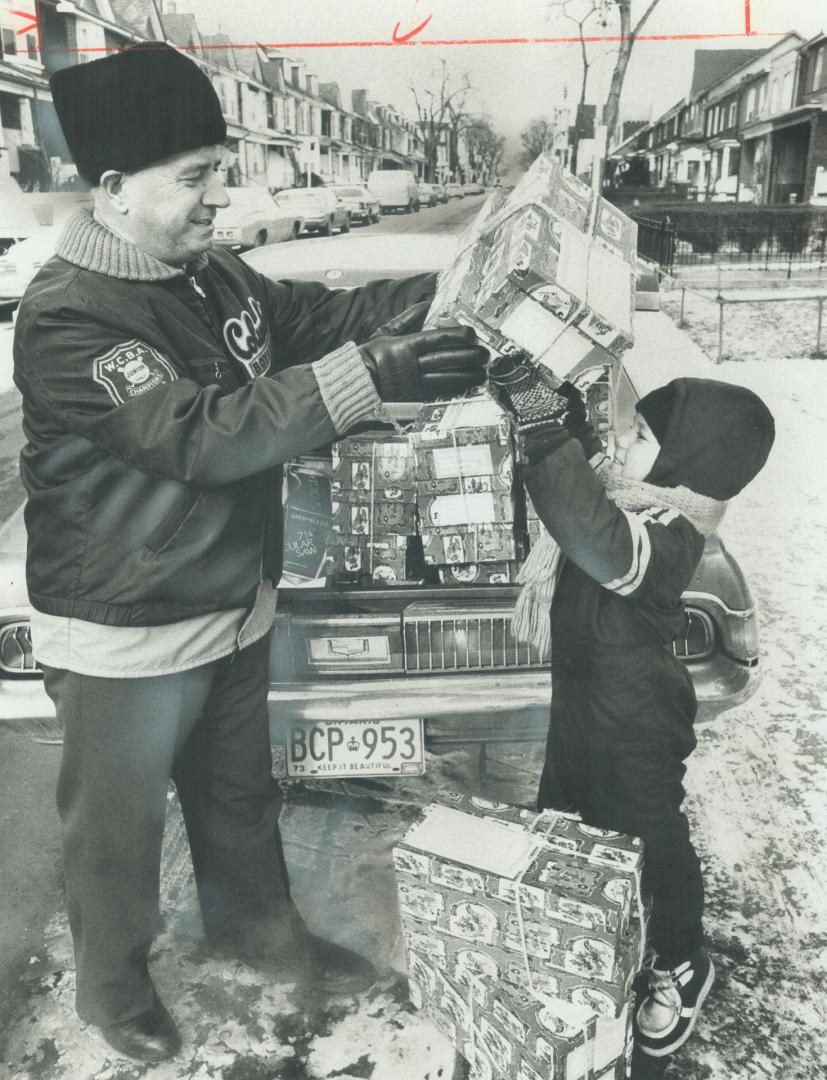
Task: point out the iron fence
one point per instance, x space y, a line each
713 239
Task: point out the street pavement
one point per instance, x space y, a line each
757 786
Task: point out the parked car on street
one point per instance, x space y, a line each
22 261
441 193
351 662
396 189
362 205
427 194
253 219
321 210
454 191
472 188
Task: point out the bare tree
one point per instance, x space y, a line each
537 138
627 36
579 13
485 147
439 108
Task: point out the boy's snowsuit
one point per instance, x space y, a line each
622 705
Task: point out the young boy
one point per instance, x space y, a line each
631 534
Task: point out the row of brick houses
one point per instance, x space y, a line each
753 126
284 126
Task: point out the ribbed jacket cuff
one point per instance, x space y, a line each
346 387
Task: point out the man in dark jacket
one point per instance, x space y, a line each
164 384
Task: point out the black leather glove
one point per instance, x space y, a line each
426 365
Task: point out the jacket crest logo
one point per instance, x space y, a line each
248 339
131 369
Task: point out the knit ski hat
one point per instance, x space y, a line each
714 438
134 108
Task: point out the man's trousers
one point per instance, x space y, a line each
123 740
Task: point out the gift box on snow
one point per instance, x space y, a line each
551 272
556 894
523 1035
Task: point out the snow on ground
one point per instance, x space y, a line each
755 331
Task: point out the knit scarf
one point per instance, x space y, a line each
539 573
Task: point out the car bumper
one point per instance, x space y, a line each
457 708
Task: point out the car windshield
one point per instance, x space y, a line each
297 195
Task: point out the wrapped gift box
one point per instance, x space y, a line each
491 970
518 1036
469 544
493 573
517 881
551 271
383 562
372 518
367 463
478 508
464 477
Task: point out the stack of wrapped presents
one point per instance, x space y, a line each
523 932
547 270
464 468
373 509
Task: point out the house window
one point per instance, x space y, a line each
294 77
9 42
31 46
818 71
271 113
10 112
240 103
732 115
751 100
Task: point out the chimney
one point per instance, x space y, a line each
360 101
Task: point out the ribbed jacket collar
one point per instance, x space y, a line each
88 244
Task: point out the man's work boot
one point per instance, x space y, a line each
336 970
152 1036
667 1015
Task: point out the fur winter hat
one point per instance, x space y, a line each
134 108
714 437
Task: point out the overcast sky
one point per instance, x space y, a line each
513 83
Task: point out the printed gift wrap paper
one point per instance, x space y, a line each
551 271
464 482
521 937
518 1035
578 886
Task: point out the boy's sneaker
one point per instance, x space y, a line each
668 1013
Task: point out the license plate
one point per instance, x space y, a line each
356 748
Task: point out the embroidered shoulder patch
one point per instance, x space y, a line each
131 369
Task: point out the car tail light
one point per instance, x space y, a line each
16 656
741 636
